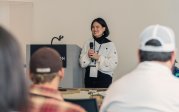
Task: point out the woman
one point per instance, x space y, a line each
99 56
13 83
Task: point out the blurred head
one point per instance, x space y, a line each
13 82
45 65
99 28
157 43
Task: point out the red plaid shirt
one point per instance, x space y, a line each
45 99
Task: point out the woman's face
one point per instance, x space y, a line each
97 29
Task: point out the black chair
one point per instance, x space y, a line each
90 105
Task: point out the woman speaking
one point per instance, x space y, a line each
98 56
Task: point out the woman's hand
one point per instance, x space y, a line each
92 54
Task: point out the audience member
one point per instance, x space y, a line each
151 87
46 72
13 82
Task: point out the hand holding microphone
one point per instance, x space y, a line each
91 53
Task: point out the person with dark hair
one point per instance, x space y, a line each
99 56
13 82
151 87
46 72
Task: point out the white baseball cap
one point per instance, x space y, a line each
163 34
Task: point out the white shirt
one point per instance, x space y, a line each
151 87
108 59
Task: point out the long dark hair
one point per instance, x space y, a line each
13 83
103 24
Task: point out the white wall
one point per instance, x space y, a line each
4 14
126 19
18 18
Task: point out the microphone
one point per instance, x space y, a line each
58 38
91 47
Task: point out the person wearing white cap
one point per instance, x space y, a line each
151 87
